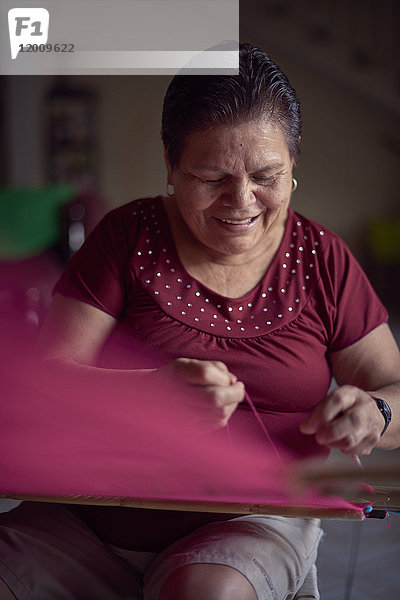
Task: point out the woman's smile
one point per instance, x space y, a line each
238 225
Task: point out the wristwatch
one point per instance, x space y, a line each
385 412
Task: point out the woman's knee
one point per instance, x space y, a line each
214 582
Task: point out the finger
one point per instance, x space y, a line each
202 372
226 396
218 416
212 406
217 402
348 428
348 446
351 432
216 398
221 365
329 409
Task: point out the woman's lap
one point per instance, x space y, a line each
47 552
273 553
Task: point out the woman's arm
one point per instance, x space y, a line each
349 418
70 343
73 330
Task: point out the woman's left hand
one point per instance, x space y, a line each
347 419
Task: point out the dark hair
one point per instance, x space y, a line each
261 90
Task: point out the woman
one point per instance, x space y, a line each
231 290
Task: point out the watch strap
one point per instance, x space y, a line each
385 411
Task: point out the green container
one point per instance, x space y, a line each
385 240
30 219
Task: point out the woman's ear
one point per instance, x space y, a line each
170 179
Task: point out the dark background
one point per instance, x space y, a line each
102 132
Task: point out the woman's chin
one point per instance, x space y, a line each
237 245
236 238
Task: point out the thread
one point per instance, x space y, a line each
263 427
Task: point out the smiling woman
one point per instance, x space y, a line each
228 291
232 190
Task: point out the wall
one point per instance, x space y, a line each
131 155
350 150
348 173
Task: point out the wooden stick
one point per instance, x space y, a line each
294 510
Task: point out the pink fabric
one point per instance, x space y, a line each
57 444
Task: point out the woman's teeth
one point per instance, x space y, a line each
234 222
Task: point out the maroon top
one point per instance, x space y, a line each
313 299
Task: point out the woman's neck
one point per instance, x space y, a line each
232 276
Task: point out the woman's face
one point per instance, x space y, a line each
233 186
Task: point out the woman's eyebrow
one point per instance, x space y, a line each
207 168
270 167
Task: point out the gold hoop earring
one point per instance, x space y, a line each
168 191
294 184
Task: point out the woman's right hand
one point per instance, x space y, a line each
213 393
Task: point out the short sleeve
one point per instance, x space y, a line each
355 308
99 272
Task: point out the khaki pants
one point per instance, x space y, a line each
47 552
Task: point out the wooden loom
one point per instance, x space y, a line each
341 480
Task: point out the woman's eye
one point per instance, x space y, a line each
265 180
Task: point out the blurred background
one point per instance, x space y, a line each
72 148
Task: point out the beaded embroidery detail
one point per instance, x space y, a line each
275 301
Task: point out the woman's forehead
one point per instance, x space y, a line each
256 145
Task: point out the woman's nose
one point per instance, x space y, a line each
239 194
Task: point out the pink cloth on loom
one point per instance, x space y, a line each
313 299
61 445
